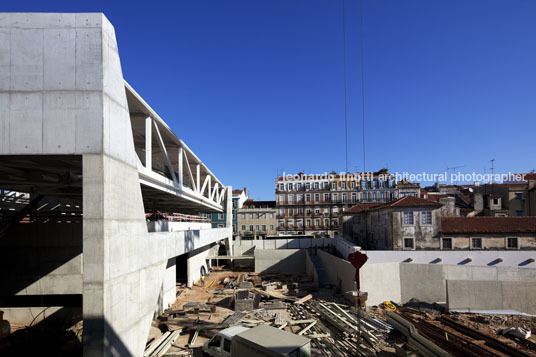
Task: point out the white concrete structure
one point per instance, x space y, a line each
71 127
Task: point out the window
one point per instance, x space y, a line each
476 243
408 218
243 216
374 196
344 197
344 185
299 198
251 216
227 345
317 222
289 187
408 243
495 201
307 198
426 217
264 228
243 227
317 210
291 211
308 211
216 342
290 198
300 210
281 187
512 243
326 197
519 212
281 224
220 215
353 184
234 227
298 187
446 243
356 219
326 222
257 228
335 209
317 197
382 195
334 185
518 195
281 198
291 223
308 223
251 227
335 222
315 185
354 197
300 223
326 185
271 227
308 186
335 197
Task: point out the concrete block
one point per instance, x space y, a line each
58 118
26 112
425 282
28 20
59 52
89 20
26 59
5 59
89 65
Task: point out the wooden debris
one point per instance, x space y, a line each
303 299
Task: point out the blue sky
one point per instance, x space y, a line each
255 88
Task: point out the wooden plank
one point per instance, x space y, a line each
303 299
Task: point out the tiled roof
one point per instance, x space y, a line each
411 201
360 207
488 225
238 192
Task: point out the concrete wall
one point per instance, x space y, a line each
339 271
400 282
283 243
38 259
310 268
196 260
163 226
491 295
510 258
283 260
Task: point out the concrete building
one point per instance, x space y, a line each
94 157
311 204
256 219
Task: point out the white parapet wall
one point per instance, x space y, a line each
400 282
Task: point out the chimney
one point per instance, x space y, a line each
478 202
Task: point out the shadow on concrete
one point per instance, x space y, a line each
49 337
190 238
33 251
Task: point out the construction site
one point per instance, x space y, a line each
107 249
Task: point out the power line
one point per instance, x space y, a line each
345 85
363 81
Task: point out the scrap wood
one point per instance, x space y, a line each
153 346
166 344
318 335
303 299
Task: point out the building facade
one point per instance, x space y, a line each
311 204
256 219
488 233
219 219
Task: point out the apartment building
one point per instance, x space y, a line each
311 204
256 219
